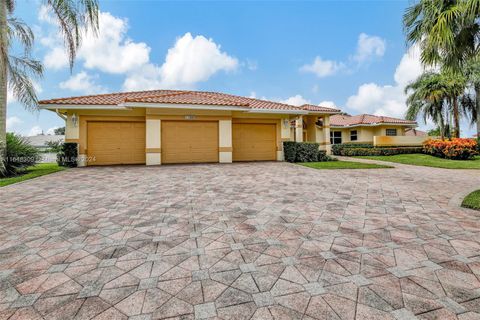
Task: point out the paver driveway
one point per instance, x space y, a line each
241 241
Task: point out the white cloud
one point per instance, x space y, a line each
189 61
51 131
82 82
369 47
388 100
13 122
328 104
322 68
409 68
111 51
34 131
296 100
56 59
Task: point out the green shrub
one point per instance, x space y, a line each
68 155
290 151
337 149
20 155
351 152
54 146
304 152
307 152
323 156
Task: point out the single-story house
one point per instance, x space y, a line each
415 133
367 128
172 126
41 141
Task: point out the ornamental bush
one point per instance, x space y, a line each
456 148
307 152
304 152
67 157
20 155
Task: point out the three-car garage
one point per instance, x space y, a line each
182 141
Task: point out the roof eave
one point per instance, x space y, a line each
52 106
278 111
413 125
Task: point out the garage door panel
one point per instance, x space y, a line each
189 142
254 142
116 142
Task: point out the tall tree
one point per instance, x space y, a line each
73 17
447 32
439 97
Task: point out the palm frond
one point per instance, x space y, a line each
20 31
20 71
74 17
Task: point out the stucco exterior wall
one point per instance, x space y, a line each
153 118
366 134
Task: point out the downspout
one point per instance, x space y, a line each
60 115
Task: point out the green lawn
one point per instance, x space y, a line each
426 160
40 169
342 165
472 201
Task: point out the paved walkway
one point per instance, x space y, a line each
240 241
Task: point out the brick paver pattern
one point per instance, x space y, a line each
240 241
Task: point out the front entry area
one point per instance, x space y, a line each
254 141
115 142
189 141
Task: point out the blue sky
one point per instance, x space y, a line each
348 53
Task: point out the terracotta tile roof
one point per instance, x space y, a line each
340 120
311 107
415 133
201 98
172 96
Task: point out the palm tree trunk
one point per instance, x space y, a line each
456 119
3 82
477 104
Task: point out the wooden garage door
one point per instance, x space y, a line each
116 142
254 142
189 141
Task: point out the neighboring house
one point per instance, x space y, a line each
172 126
367 128
40 141
415 133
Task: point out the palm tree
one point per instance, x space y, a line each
16 72
447 32
439 97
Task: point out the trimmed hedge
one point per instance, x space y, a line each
68 155
304 152
367 149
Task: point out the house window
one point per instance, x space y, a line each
391 132
335 137
353 135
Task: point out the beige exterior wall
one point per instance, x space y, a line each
153 142
410 141
366 134
225 141
153 119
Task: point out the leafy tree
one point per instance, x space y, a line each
16 71
447 32
59 131
441 98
